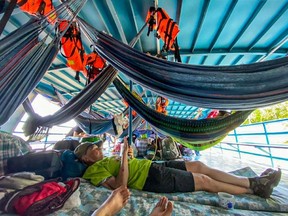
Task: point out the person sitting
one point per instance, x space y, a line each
11 146
119 198
168 177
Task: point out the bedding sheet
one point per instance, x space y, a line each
196 203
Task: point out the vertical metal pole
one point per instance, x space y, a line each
236 139
157 39
130 117
268 143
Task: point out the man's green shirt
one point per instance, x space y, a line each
100 171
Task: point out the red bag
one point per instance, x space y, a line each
39 199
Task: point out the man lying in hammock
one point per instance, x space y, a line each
170 176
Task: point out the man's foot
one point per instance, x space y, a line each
263 185
114 203
162 208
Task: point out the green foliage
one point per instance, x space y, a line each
278 111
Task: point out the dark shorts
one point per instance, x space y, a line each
169 177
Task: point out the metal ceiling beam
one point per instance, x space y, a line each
279 41
237 59
222 25
270 24
220 60
57 85
103 101
240 51
135 23
100 14
117 21
274 49
178 11
250 20
202 17
203 60
64 81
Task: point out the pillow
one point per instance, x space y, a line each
72 167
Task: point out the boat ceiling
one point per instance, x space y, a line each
212 32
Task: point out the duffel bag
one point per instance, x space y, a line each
45 163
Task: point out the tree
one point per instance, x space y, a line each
278 111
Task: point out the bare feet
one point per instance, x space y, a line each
114 203
162 208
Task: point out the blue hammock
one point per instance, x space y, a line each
242 87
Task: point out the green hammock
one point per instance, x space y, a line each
199 131
200 146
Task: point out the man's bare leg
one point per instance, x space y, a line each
162 208
218 175
205 183
114 203
217 180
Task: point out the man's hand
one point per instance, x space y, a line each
125 146
130 152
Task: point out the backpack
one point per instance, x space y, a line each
45 163
39 199
170 149
72 167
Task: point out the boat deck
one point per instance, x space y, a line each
228 161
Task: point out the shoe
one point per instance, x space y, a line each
267 171
264 185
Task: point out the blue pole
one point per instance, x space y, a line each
268 143
130 118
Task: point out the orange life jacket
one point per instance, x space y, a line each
71 45
166 28
93 65
134 113
161 104
38 7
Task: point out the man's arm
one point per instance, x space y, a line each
122 177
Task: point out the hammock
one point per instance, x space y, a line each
188 130
199 146
91 123
100 126
75 106
81 101
242 87
24 63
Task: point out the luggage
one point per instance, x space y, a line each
45 163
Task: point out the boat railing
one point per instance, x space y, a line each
265 139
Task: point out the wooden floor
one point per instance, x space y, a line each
227 161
